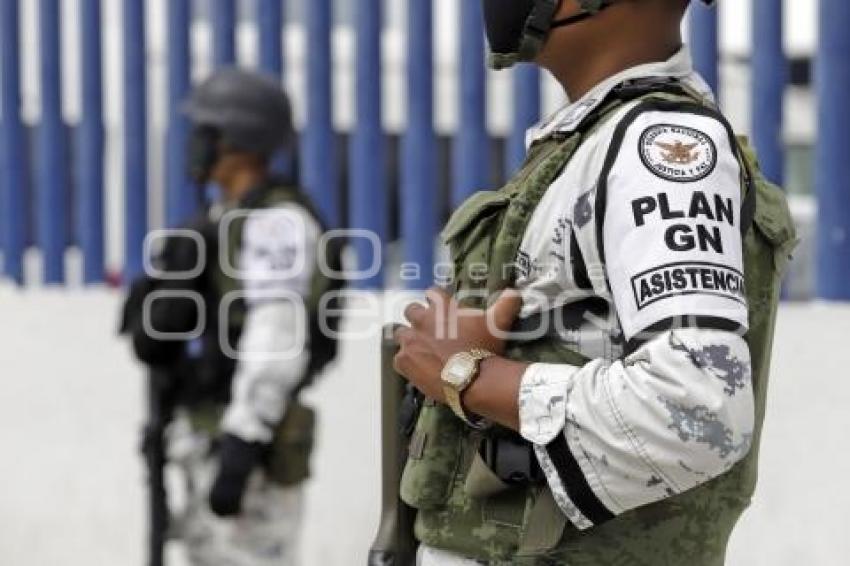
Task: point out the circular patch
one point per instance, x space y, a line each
678 153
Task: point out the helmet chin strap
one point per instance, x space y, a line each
576 18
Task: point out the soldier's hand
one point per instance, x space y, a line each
443 328
237 460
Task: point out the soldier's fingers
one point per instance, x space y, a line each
399 363
402 335
414 312
402 360
438 297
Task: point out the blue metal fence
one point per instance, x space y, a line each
135 137
526 113
180 199
770 77
368 203
472 151
369 190
224 32
270 23
704 43
318 171
12 158
419 211
52 189
832 165
90 173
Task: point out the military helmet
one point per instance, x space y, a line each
249 111
517 29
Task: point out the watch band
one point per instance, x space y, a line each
453 394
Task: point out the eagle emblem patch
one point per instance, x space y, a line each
678 153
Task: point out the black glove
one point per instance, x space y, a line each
238 459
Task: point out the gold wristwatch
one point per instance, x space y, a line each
458 374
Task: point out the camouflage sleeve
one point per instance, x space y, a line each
271 357
677 409
275 263
612 437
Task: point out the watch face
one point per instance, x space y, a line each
459 370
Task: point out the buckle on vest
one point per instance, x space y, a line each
511 459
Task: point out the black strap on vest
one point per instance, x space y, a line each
748 207
631 90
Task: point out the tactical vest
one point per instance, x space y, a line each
324 283
288 460
465 508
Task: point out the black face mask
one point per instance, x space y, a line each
203 153
509 22
504 21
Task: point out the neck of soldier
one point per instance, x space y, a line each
241 182
578 75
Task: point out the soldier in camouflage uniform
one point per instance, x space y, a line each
596 377
241 436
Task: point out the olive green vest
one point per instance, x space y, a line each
288 460
465 509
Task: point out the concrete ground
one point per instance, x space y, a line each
72 485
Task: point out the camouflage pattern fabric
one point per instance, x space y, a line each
265 534
691 528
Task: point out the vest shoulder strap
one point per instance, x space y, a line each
526 193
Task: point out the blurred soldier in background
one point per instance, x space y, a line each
636 258
228 325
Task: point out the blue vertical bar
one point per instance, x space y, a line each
13 223
52 181
703 42
472 144
526 113
319 164
770 76
135 138
224 33
270 23
368 202
89 205
832 162
419 216
181 200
